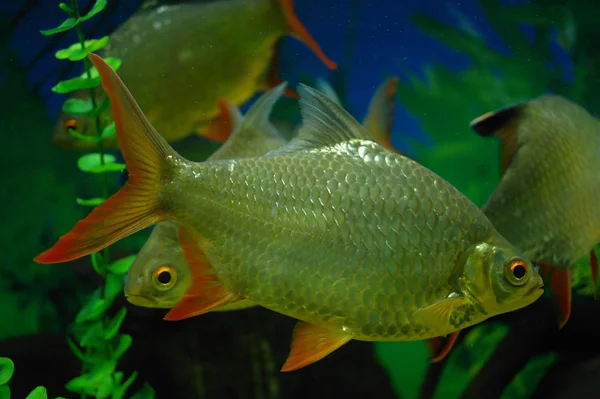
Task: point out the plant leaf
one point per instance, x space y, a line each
100 108
113 62
98 7
75 349
109 131
92 163
125 341
76 106
90 202
93 309
38 393
77 52
120 391
4 392
147 392
121 266
90 382
113 286
98 263
69 23
92 336
113 328
7 369
66 8
79 83
80 136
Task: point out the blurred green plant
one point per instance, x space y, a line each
445 102
7 369
99 345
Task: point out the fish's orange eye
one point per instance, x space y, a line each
517 271
71 124
164 277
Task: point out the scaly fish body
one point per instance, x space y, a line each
178 59
333 229
160 276
547 202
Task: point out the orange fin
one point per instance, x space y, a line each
594 267
379 118
560 284
502 124
220 128
300 32
207 292
311 343
439 347
273 79
136 205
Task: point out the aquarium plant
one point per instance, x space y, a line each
96 339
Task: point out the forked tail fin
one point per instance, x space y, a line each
150 161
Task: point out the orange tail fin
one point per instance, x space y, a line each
300 32
137 205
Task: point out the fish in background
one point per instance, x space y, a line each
333 229
547 201
179 59
160 276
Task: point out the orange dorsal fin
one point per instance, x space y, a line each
380 114
220 128
560 284
439 347
503 124
299 31
311 343
136 205
207 292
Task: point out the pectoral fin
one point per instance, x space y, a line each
207 292
439 347
439 313
311 343
560 284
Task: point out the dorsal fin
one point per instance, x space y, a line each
255 125
503 124
379 118
324 87
231 112
324 124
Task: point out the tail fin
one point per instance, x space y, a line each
379 119
300 32
137 205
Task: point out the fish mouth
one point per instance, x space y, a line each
140 300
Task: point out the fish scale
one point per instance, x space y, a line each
241 245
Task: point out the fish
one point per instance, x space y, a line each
180 58
353 240
546 203
159 277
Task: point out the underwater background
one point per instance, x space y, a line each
455 61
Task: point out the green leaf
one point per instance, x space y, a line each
79 83
4 392
98 6
125 341
113 328
121 266
90 201
38 393
147 392
100 108
98 263
113 286
109 131
69 23
92 163
80 136
7 369
113 62
90 382
105 389
75 349
92 336
120 391
76 106
93 309
66 8
76 52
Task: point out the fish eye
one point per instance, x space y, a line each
164 277
71 124
517 271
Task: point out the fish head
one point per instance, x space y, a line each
80 124
159 276
500 278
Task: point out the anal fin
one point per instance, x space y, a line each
207 292
439 347
311 343
560 284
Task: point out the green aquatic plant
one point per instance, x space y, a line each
7 369
97 341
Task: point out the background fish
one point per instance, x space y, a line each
546 203
159 277
178 59
332 229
